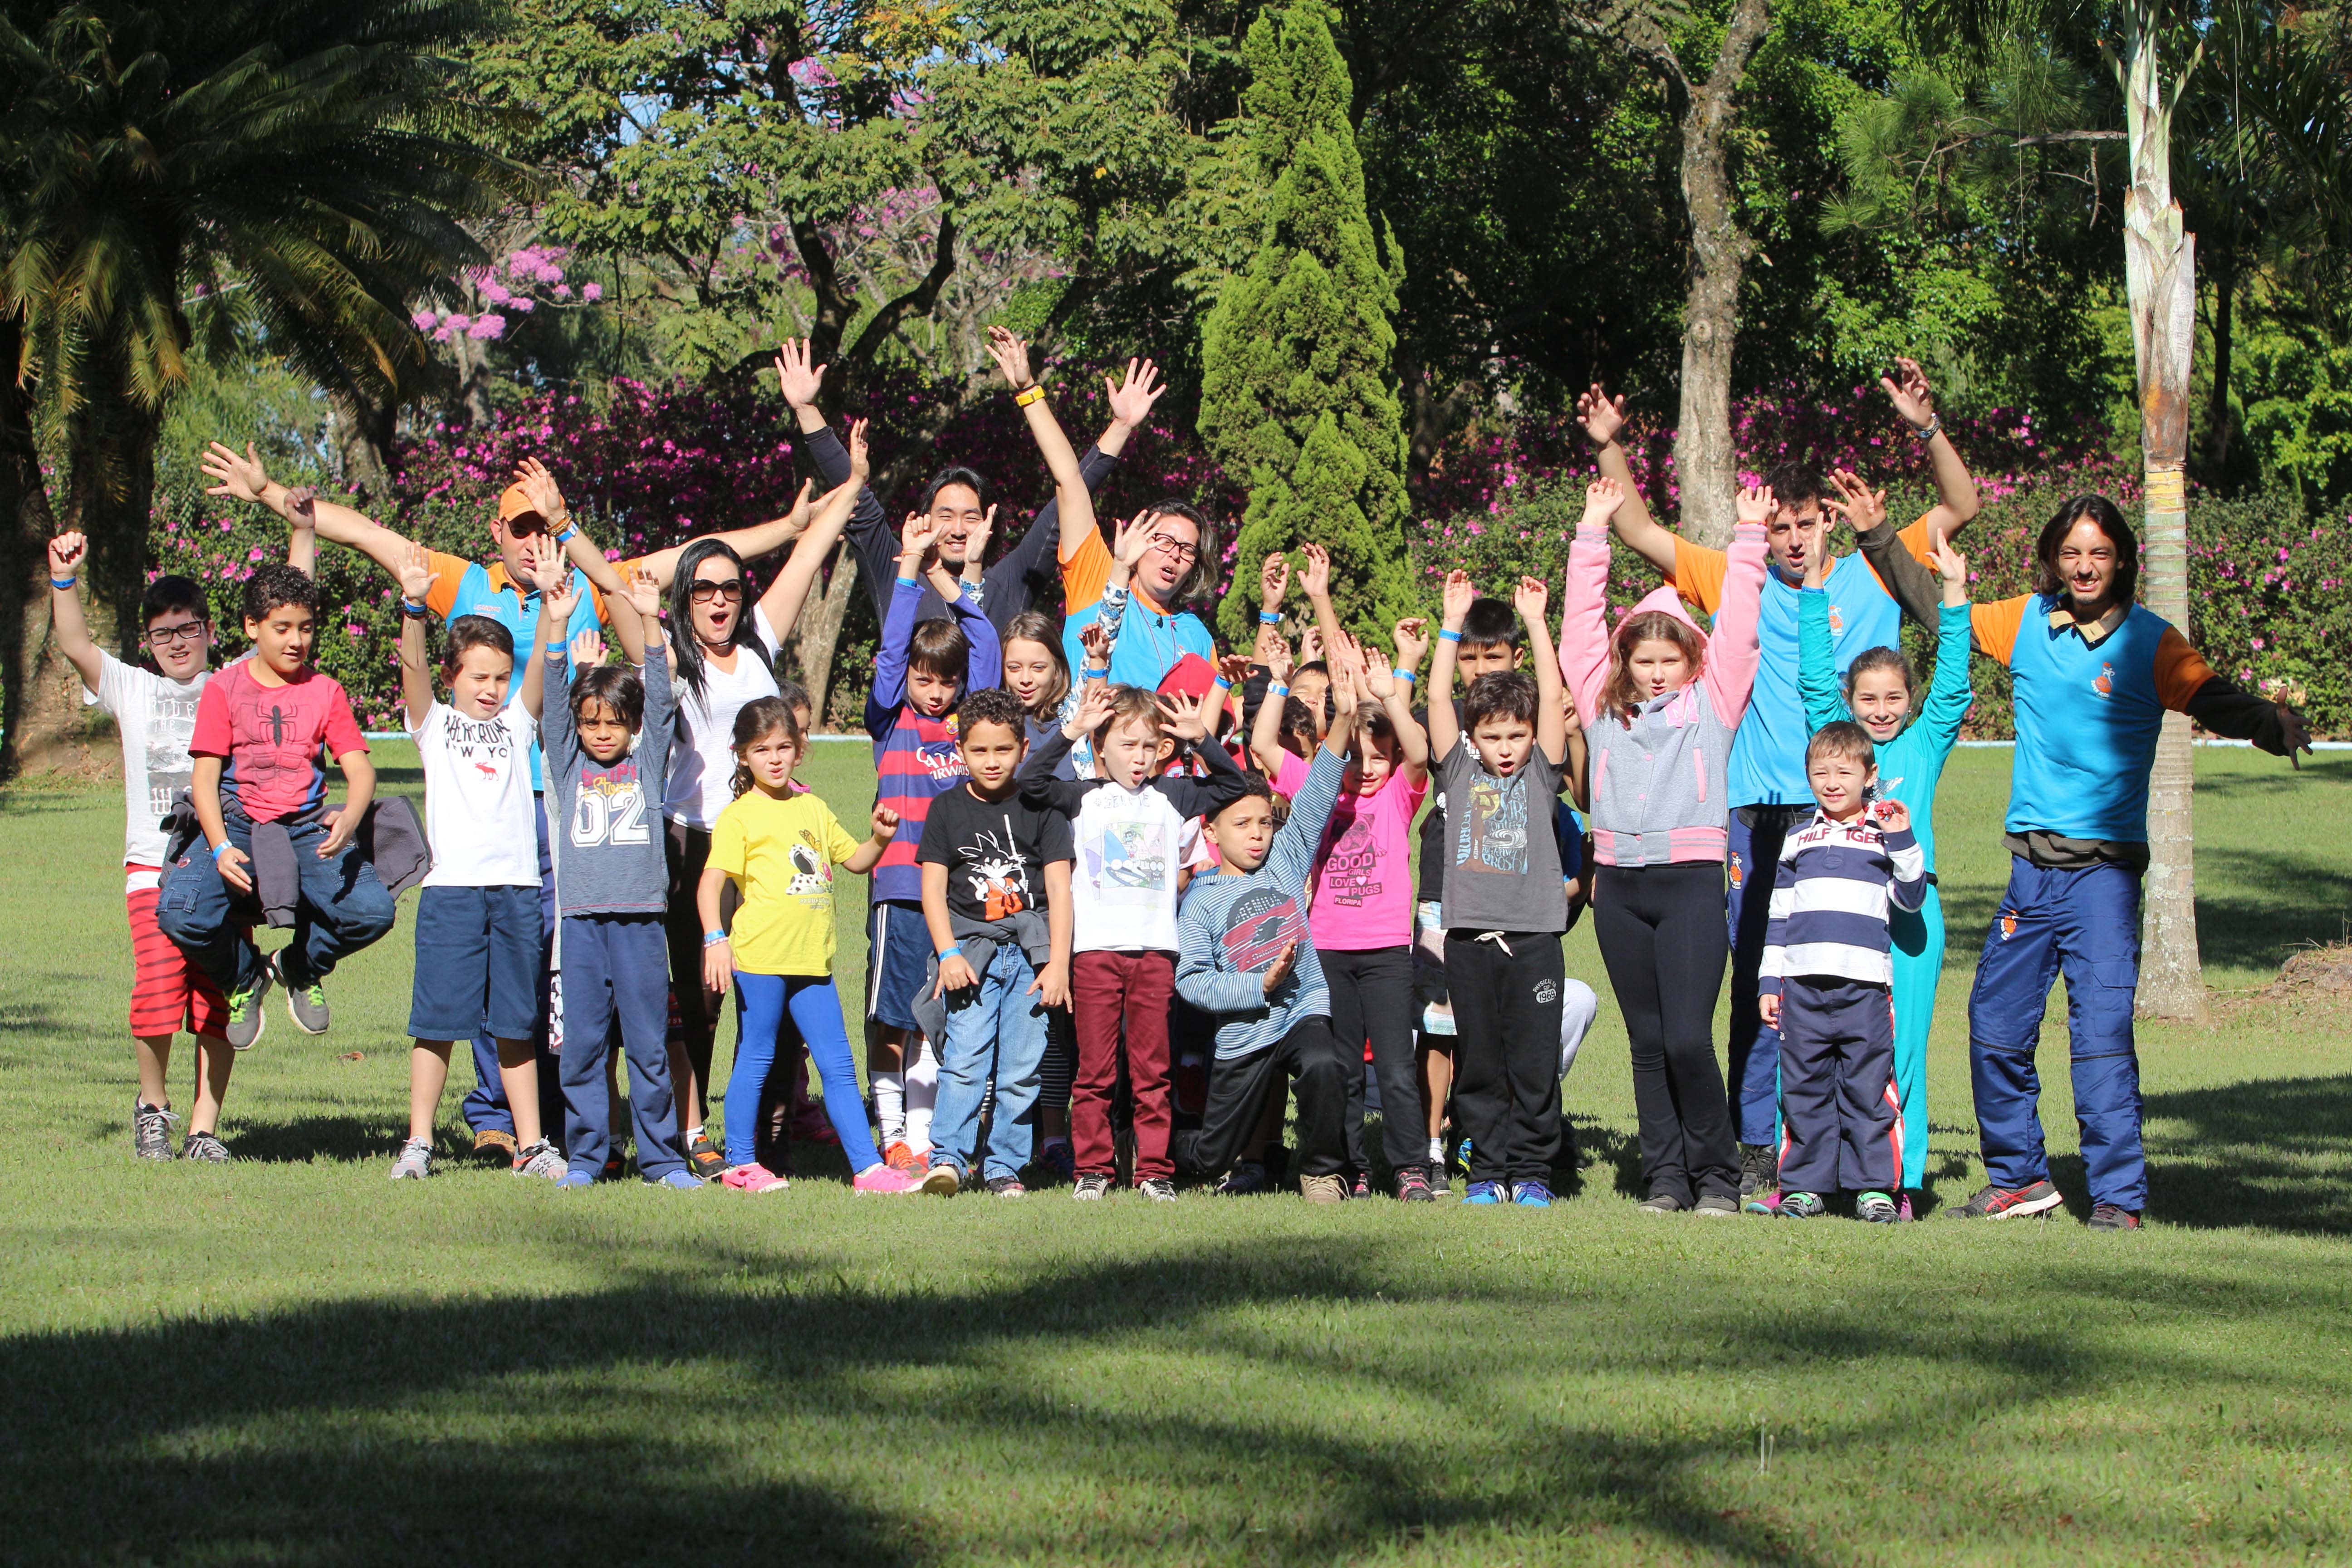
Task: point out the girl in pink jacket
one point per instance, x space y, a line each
1661 701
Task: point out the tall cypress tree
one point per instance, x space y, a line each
1297 386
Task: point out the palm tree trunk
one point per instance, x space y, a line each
29 700
1706 466
2160 274
2220 425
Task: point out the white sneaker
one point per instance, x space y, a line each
542 1160
416 1161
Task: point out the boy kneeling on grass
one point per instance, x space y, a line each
1826 978
261 725
1247 960
996 897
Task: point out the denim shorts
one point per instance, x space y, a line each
477 959
897 959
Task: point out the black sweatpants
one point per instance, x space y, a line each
1842 1129
1663 936
1371 998
1237 1091
1506 991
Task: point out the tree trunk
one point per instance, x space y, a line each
363 435
2160 274
2221 427
1706 466
29 694
818 632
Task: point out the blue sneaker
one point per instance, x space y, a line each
1484 1193
1061 1161
679 1181
1531 1194
576 1179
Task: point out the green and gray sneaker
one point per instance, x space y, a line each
305 1004
243 1030
151 1131
208 1147
1802 1206
1878 1208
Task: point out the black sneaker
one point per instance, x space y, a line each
205 1147
2112 1217
1091 1189
1247 1179
151 1131
1007 1187
1759 1171
1413 1186
1362 1187
305 1003
1158 1189
2011 1203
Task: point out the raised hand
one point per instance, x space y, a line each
414 570
1187 716
1911 395
1310 645
976 537
1131 539
1531 598
1950 565
546 497
1412 642
916 540
799 381
1375 674
65 552
1891 815
1273 581
240 478
1094 642
1817 557
587 650
861 462
1600 415
1458 594
1093 708
1233 667
885 824
1012 357
1347 678
1856 501
1274 654
1132 398
643 593
1753 504
557 595
1317 578
1603 496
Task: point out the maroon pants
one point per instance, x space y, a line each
1107 989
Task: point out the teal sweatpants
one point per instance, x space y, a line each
1918 964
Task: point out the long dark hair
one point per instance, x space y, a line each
760 716
2109 517
744 635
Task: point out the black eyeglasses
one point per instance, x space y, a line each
164 637
705 592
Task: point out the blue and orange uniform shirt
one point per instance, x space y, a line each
2090 701
462 587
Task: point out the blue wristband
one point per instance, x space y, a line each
1444 636
410 607
713 938
220 849
953 950
1273 689
907 582
1269 619
1102 674
1403 675
565 537
63 582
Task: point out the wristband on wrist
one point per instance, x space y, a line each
409 606
1275 689
220 849
1927 431
565 537
63 582
1445 635
1085 674
1269 617
1027 395
908 581
1403 675
713 938
953 950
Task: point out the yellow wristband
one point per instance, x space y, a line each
1025 398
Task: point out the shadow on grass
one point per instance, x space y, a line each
641 1419
2275 1153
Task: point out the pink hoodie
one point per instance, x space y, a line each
1658 790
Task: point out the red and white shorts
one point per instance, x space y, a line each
168 992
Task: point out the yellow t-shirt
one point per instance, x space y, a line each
782 854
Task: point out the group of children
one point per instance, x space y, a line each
1123 921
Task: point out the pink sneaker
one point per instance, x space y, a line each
883 1179
753 1179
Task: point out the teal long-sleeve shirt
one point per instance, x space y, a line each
1911 764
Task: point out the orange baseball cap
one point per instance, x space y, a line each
513 502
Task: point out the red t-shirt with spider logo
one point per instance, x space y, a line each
275 740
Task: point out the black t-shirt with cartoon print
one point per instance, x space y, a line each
996 852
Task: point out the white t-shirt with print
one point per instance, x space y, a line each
1123 894
479 815
702 764
155 716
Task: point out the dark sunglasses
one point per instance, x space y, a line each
704 592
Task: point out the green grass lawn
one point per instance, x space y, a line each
290 1361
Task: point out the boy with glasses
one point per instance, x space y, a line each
154 713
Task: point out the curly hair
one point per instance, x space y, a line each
278 584
995 706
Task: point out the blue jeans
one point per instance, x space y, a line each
2085 922
616 968
995 1029
342 909
761 1002
486 1108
